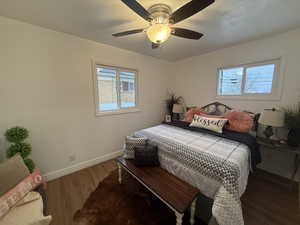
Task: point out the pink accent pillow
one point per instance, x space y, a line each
212 116
239 121
10 198
190 114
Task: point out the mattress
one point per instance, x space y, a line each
217 166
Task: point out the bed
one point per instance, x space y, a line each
217 164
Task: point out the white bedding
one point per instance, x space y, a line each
218 167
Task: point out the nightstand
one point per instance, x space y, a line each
274 146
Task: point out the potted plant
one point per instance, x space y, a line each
292 121
173 99
16 136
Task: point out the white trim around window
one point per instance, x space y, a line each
119 109
277 83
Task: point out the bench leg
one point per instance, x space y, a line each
120 173
179 217
193 209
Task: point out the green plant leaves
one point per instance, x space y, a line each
292 117
30 164
16 134
23 148
16 137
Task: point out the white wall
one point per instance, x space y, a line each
196 80
46 86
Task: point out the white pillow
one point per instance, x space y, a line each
213 124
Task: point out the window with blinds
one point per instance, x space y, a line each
115 88
248 80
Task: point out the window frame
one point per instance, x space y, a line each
118 69
277 83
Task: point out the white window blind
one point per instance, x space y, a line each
230 81
257 79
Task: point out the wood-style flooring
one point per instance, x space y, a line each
268 200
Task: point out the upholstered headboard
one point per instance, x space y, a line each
216 108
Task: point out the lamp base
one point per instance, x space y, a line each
268 132
176 117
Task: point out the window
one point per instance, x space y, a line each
259 80
116 90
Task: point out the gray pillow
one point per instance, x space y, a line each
131 142
12 171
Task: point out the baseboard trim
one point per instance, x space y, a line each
71 169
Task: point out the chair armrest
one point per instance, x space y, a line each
41 190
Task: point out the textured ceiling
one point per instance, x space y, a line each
224 23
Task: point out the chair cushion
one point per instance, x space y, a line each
27 212
12 171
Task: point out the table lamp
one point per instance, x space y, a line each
271 118
177 110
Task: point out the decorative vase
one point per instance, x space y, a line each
294 137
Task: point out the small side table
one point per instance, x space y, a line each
283 148
287 149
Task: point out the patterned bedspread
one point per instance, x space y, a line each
217 166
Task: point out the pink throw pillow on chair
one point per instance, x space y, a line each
238 121
9 199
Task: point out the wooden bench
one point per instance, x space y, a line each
175 193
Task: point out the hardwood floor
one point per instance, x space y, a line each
268 200
67 194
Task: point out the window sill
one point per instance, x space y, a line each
118 112
248 98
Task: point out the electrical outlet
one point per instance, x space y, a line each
72 157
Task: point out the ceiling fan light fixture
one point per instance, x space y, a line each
161 17
158 33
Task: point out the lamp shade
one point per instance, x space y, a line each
177 108
272 117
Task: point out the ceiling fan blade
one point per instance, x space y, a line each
154 45
129 32
184 33
138 8
189 9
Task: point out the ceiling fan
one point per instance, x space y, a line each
162 19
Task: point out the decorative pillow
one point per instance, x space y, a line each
12 171
9 199
213 124
239 121
190 114
146 156
131 142
211 116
